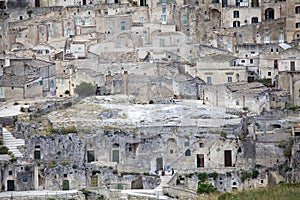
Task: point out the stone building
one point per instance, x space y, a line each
31 78
241 96
218 69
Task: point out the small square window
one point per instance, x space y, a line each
201 145
9 172
186 144
25 179
269 73
65 175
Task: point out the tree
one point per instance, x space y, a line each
85 89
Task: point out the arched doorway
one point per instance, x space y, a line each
269 14
215 16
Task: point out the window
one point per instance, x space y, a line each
19 35
187 152
162 42
281 37
9 172
267 39
163 1
201 145
123 26
78 21
122 41
251 61
240 36
142 20
269 14
275 64
184 19
297 25
297 10
208 80
229 79
52 84
86 20
25 179
237 102
68 32
269 73
254 20
236 24
164 19
163 10
271 50
292 65
171 151
186 144
68 23
236 14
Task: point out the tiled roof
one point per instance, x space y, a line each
243 87
14 81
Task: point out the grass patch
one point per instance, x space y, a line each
289 191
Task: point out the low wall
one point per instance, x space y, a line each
179 193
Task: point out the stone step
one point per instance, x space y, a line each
12 143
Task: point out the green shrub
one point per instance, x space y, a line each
205 188
202 177
3 150
213 175
245 176
85 89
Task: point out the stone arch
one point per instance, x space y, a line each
215 16
269 14
296 35
17 46
126 37
187 152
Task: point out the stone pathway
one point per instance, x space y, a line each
12 143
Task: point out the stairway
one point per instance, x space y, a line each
12 143
154 194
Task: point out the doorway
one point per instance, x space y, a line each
10 185
159 163
228 159
66 185
200 160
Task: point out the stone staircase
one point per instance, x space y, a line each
148 194
12 143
